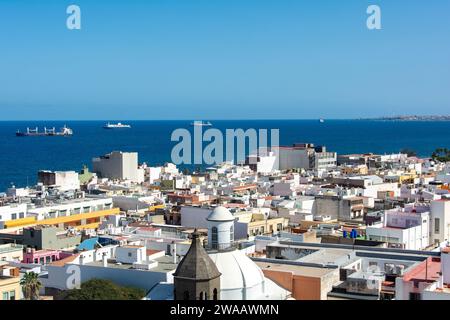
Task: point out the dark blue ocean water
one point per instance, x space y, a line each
22 157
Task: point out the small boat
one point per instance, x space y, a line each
321 120
118 125
65 131
201 124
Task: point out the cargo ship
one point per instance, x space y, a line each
65 131
118 125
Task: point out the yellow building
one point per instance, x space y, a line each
257 224
10 288
78 221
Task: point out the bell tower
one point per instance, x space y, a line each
197 277
220 229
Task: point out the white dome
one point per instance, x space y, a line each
220 214
238 270
242 279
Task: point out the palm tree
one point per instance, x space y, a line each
30 285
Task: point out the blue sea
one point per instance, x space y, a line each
22 157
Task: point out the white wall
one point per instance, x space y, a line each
130 255
58 276
440 209
119 165
71 208
194 217
13 212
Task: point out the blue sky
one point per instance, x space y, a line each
223 59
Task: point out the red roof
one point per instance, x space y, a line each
427 271
149 252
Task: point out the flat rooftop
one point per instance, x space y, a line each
329 256
165 264
295 269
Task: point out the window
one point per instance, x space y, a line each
214 237
215 294
14 216
12 295
201 295
21 215
231 233
437 222
129 254
5 296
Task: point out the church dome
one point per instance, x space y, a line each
239 274
220 214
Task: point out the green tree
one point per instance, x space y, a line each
30 286
441 154
100 289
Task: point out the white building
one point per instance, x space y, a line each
63 180
12 212
264 163
440 220
133 267
70 207
119 165
194 217
408 230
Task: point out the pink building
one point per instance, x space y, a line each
44 256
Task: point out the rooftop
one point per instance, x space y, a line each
296 270
165 264
426 271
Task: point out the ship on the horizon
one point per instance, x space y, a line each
201 124
65 131
118 125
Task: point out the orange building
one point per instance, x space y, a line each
305 283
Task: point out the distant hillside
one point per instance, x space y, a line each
412 118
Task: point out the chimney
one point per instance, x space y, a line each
174 252
104 260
